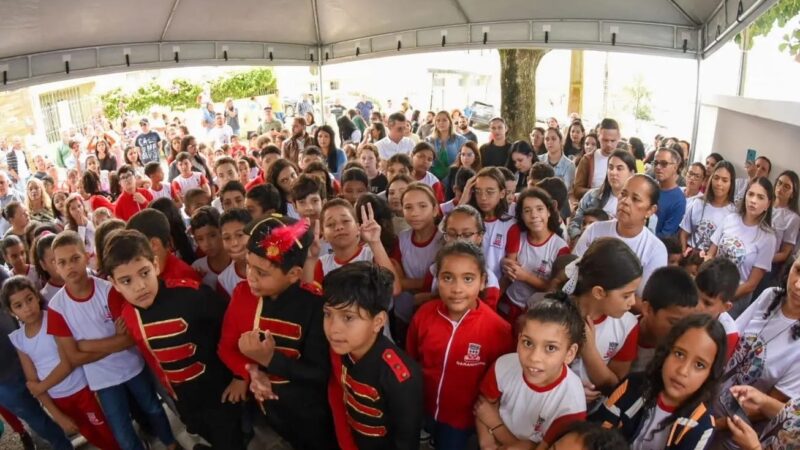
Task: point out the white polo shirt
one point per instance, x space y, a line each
387 147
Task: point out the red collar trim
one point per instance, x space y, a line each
55 285
600 319
87 298
423 244
550 386
528 236
664 406
351 258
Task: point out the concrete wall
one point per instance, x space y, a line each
731 125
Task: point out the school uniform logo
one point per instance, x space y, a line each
498 240
537 428
612 350
473 352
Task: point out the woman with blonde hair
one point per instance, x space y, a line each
446 143
38 202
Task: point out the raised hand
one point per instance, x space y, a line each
370 229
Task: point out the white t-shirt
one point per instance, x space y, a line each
220 135
49 290
181 184
766 356
600 169
328 262
536 259
43 351
90 318
745 246
701 220
494 244
530 412
210 277
615 339
447 207
416 257
786 223
651 251
611 206
229 278
165 192
650 437
387 148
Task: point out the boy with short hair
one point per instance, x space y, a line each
310 155
132 199
154 224
194 200
398 164
375 389
272 334
158 188
307 196
593 215
232 195
422 157
355 183
669 296
266 157
262 200
225 170
232 224
717 281
79 318
175 324
207 235
187 178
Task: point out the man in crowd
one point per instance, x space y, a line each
7 195
426 127
364 108
591 170
671 202
304 106
221 133
464 129
149 142
269 123
17 162
395 141
496 152
299 140
208 117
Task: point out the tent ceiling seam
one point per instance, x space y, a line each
315 13
169 19
685 14
461 11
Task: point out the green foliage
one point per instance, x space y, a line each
781 13
639 96
245 84
183 94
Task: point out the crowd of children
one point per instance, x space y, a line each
375 306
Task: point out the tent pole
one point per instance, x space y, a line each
696 120
321 91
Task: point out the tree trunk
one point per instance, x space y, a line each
518 90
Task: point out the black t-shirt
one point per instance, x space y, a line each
495 155
149 144
378 184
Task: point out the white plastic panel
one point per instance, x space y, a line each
50 63
501 32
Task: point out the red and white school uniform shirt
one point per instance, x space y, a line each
30 273
181 184
165 191
455 356
90 318
491 293
49 290
731 332
650 437
448 207
536 259
434 183
495 240
416 257
329 262
615 339
43 351
229 278
530 412
210 277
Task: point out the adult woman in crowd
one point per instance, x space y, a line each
636 203
348 131
711 161
189 145
133 159
695 176
77 220
335 158
523 157
537 141
621 166
637 149
468 156
563 167
311 124
704 215
785 223
374 133
573 142
445 142
93 194
104 157
38 203
747 239
17 215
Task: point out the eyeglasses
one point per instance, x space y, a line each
450 236
662 163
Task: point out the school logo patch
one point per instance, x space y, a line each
538 432
612 350
733 248
473 352
498 240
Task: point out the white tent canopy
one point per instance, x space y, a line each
48 40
